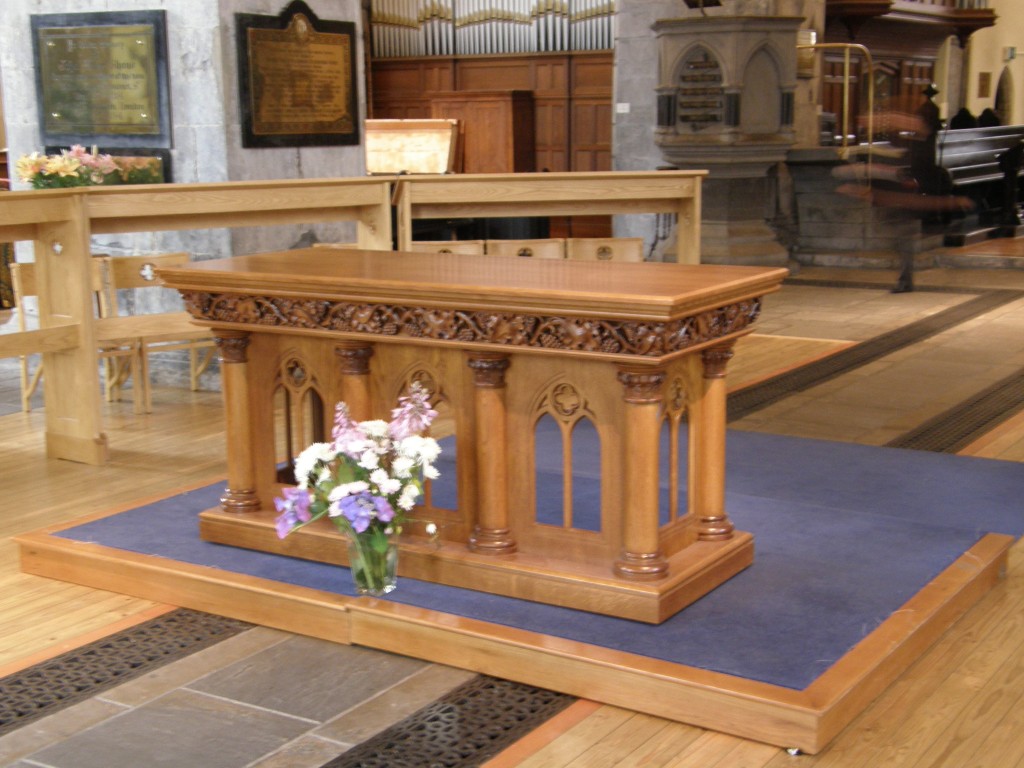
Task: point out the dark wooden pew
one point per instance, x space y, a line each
974 162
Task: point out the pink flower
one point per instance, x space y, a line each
413 414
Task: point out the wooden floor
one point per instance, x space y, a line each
961 704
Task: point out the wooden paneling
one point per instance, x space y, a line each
496 129
402 87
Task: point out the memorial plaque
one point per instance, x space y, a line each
297 79
101 78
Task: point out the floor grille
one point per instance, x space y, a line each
40 690
466 727
955 429
743 402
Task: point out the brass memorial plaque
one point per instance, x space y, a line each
99 80
298 85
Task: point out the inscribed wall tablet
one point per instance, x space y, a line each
297 79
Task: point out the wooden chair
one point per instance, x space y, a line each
605 248
121 356
545 248
154 332
465 247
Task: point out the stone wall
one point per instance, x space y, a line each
206 125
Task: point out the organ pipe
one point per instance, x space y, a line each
489 27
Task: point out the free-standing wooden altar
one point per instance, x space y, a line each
635 353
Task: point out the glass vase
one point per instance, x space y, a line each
374 564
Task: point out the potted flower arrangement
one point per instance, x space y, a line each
78 167
366 482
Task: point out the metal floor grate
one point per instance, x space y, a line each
961 425
85 672
466 727
746 401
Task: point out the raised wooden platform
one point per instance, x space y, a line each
693 571
806 719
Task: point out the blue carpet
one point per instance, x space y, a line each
845 534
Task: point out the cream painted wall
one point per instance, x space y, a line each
986 55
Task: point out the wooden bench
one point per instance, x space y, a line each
970 158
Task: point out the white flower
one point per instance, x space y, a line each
407 499
430 450
431 529
386 485
307 460
375 428
347 489
369 460
402 466
430 472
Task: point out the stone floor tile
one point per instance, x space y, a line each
310 678
394 704
56 727
195 666
307 751
180 730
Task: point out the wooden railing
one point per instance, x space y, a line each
60 224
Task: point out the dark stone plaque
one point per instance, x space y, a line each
101 78
296 79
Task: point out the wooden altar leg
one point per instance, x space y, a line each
240 495
491 534
642 427
355 377
713 524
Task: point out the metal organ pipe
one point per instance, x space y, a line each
485 27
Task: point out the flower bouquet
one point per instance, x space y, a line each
366 481
77 167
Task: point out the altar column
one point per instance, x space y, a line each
640 557
354 360
713 524
240 494
491 534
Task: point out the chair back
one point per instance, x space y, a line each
543 248
464 247
605 248
25 283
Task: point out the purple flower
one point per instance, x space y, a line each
293 508
361 509
413 414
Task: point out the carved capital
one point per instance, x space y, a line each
642 386
354 358
489 370
715 361
232 345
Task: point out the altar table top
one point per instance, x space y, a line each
650 290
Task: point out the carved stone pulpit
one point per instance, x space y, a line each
725 104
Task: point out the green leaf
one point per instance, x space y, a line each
379 540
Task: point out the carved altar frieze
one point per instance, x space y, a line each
634 338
